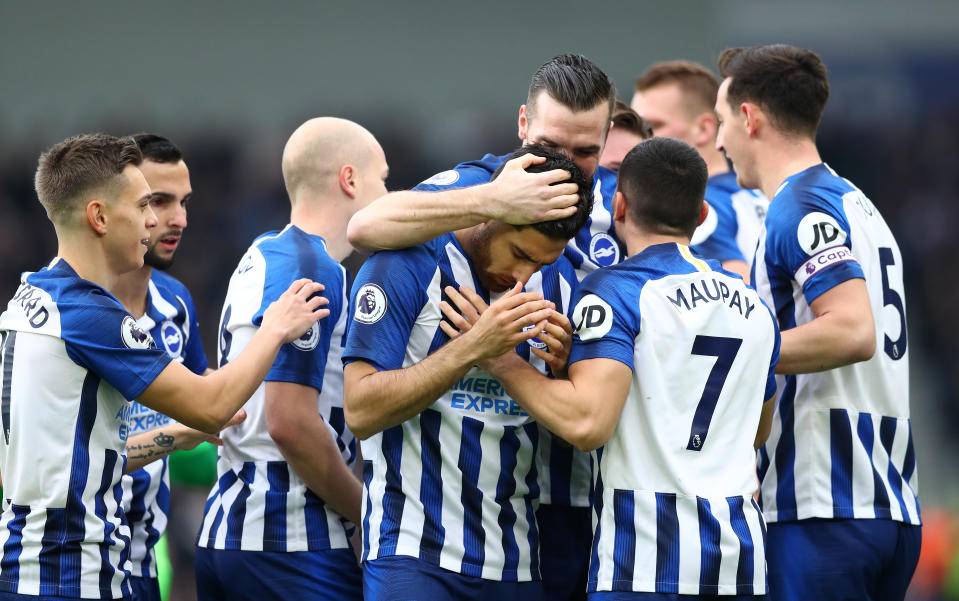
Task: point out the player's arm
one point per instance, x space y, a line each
305 442
375 400
208 402
842 332
765 422
411 217
147 447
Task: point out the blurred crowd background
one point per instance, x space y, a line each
438 84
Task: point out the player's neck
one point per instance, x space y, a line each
88 259
132 288
783 159
326 222
637 240
715 161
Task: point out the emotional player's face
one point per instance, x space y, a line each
579 134
662 107
170 193
130 221
733 139
618 143
504 255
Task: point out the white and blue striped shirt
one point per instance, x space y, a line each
171 320
72 356
455 486
674 484
258 502
841 441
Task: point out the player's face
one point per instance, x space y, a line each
663 109
506 255
170 192
618 143
372 183
731 139
129 222
580 134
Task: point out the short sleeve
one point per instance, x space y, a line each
774 358
604 325
463 175
105 339
388 295
808 240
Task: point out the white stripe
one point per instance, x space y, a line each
451 439
690 545
728 547
754 519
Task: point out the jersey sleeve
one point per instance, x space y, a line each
716 237
303 361
774 358
194 357
461 176
605 326
808 240
105 339
388 295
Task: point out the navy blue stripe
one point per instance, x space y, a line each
667 544
10 564
710 554
624 540
140 483
887 434
840 440
560 471
337 421
8 342
107 570
393 498
909 461
51 540
123 538
236 515
880 497
274 518
596 501
786 454
431 487
744 571
762 467
532 485
227 480
367 479
505 489
474 537
314 518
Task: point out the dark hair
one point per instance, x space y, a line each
78 165
624 117
567 227
574 81
788 83
697 83
664 181
157 148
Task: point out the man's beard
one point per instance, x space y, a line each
155 261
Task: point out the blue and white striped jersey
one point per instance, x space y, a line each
455 486
171 320
564 470
258 503
674 484
731 228
841 442
72 356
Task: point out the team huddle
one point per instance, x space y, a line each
657 352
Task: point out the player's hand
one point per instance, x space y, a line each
558 338
499 327
186 438
520 198
296 310
237 418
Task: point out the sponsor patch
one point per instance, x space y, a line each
309 340
592 317
603 250
822 260
706 228
443 178
134 336
819 231
172 338
370 304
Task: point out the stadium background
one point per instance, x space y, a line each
438 83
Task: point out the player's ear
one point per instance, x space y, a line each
703 212
619 207
705 129
522 123
347 180
752 114
95 214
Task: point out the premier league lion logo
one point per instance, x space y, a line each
370 304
